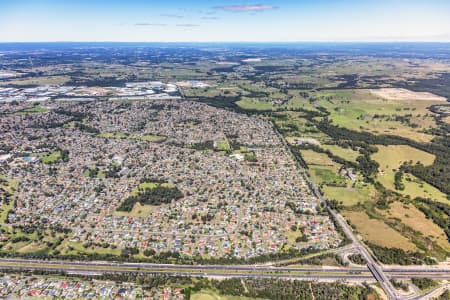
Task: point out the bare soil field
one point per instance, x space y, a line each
405 95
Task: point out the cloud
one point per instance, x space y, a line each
210 18
149 24
246 7
172 16
187 25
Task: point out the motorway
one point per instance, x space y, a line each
101 267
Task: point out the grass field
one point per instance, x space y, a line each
138 210
350 196
9 186
223 145
254 104
362 111
297 125
378 232
42 80
325 175
390 159
52 157
48 158
345 153
72 248
33 110
148 138
314 158
112 135
409 215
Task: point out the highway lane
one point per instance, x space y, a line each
175 266
107 267
212 274
419 269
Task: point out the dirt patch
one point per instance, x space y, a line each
405 95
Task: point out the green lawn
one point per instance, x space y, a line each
254 104
325 175
52 157
48 158
10 186
350 196
312 157
113 135
390 159
33 110
223 145
148 138
72 248
345 153
357 109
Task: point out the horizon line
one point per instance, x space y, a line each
235 41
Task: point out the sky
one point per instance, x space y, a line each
230 21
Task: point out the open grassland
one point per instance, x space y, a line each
326 175
409 215
149 186
73 248
362 111
9 186
254 104
49 158
414 187
223 145
392 157
298 102
138 210
43 80
405 95
314 158
377 232
345 153
350 196
294 124
32 110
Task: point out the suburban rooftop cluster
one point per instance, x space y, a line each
37 287
243 195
